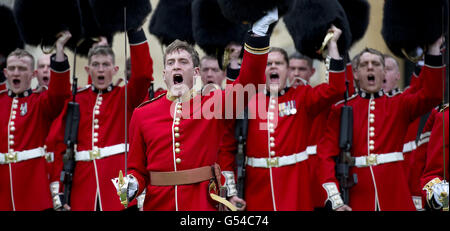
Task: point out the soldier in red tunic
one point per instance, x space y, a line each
99 154
379 126
174 139
25 120
282 123
435 187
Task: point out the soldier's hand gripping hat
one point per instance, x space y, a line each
249 11
408 25
39 23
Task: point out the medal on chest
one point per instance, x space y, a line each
287 108
23 109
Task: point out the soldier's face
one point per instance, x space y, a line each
370 72
299 69
101 69
210 72
276 72
392 74
42 71
179 72
18 72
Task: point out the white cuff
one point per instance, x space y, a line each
140 199
54 188
333 195
230 183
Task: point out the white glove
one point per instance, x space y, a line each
140 199
129 188
439 190
261 26
56 196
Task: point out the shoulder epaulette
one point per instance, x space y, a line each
151 100
3 91
348 99
84 88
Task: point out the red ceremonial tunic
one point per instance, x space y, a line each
379 126
318 128
434 165
24 124
418 160
102 127
278 130
169 135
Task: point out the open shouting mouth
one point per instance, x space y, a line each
274 77
177 78
371 79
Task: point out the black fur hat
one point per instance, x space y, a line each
411 24
211 30
11 38
39 22
358 14
110 14
171 20
249 11
308 23
91 28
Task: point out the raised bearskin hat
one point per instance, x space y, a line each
171 20
212 31
249 11
408 25
358 14
308 23
39 23
11 38
110 14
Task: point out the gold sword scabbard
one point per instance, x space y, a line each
444 201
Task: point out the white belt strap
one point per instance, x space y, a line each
100 153
311 150
375 159
276 161
14 157
409 147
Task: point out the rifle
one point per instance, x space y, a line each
70 139
241 136
344 161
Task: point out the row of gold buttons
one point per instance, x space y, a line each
371 127
176 131
96 126
11 128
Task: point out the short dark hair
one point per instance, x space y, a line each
208 57
282 52
20 53
385 56
182 45
298 55
368 50
101 50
